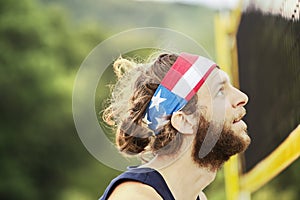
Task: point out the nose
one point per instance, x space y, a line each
241 99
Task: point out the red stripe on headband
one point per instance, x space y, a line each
189 57
200 83
171 79
181 65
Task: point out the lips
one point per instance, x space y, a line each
236 120
239 117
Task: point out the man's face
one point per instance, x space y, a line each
220 131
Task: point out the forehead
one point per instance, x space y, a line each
217 76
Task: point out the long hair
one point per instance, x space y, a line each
130 97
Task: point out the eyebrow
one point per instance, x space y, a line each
222 82
225 79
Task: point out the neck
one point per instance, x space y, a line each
181 172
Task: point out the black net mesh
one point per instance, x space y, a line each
269 70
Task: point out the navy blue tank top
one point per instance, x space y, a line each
146 176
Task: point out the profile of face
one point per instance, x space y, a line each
220 123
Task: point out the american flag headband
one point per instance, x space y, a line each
179 85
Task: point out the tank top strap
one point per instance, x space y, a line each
146 176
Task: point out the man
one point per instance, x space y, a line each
185 112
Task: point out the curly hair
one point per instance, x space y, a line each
126 112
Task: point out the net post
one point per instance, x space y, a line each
287 152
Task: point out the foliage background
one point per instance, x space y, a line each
42 44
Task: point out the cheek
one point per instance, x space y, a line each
221 111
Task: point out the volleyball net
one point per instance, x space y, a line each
259 46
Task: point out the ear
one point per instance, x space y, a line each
183 123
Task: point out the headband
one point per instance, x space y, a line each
179 85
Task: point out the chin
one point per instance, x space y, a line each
240 130
244 139
244 135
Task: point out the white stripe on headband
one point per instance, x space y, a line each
179 85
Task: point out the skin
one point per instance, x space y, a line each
185 178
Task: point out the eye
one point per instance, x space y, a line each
221 91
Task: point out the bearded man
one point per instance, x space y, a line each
183 111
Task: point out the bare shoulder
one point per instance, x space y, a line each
202 196
134 190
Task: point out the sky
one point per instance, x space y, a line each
286 8
214 4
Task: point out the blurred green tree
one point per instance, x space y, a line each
39 53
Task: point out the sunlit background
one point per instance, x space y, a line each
42 45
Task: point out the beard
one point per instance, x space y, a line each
228 144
